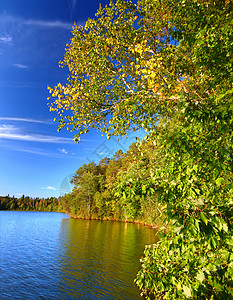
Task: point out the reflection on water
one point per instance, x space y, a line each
100 259
50 256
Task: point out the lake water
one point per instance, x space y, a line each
51 256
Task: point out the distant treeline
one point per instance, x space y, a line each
27 203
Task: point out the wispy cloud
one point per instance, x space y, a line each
5 18
19 84
24 120
13 133
48 187
39 151
73 4
20 66
63 150
46 39
6 39
47 24
103 153
33 151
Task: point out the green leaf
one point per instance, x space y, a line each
179 287
204 218
199 201
230 241
200 276
219 181
225 254
178 229
187 291
174 281
212 268
212 242
225 227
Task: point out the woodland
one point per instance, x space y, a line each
165 67
28 203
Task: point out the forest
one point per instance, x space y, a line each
28 203
117 188
165 67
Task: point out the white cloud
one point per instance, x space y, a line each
12 133
73 3
33 151
103 153
6 39
62 150
19 84
24 120
20 66
10 19
47 24
48 187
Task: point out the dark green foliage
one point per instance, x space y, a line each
194 258
27 203
116 188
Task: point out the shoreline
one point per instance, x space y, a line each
150 225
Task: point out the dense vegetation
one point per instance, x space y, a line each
116 188
27 203
172 62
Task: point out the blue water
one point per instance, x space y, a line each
51 256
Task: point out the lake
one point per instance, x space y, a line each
51 256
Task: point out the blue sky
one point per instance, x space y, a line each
35 159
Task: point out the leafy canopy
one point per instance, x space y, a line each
129 65
170 61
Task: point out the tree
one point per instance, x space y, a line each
169 61
107 88
134 185
129 64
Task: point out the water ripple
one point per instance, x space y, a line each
50 256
